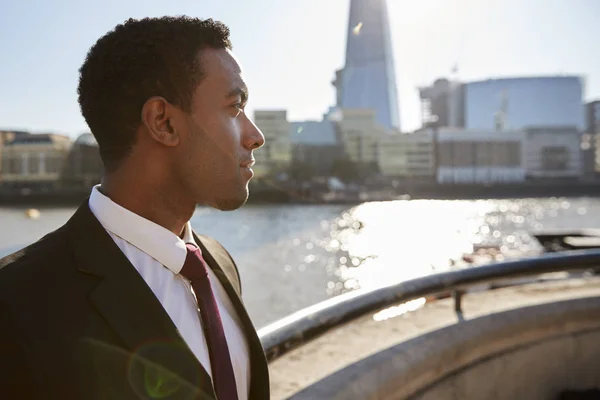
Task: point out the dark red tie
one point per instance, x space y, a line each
196 271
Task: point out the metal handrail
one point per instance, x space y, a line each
288 333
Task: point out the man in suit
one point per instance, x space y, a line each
125 301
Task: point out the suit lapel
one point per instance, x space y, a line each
259 378
128 305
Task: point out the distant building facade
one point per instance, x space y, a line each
275 156
83 167
5 138
590 143
360 134
480 156
408 156
443 104
553 153
315 148
34 161
489 157
9 136
592 117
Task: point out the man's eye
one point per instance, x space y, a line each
239 107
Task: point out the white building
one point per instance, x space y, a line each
480 156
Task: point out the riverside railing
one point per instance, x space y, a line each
290 332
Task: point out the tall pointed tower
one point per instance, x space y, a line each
368 80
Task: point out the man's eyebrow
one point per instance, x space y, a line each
239 91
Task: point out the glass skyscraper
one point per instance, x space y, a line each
368 79
550 101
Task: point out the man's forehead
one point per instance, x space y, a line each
219 66
219 61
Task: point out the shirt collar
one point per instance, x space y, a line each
156 241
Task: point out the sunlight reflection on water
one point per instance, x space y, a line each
393 241
376 244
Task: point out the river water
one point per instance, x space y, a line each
292 256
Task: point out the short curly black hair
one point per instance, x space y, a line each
135 61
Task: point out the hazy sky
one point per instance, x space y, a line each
290 49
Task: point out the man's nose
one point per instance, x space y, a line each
253 137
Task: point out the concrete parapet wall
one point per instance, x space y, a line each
524 353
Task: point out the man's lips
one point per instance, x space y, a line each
248 163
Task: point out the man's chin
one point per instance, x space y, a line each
232 203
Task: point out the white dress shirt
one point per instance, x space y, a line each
158 255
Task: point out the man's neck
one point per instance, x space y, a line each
161 206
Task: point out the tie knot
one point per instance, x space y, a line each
194 266
193 248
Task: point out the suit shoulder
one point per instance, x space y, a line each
218 251
223 258
50 249
212 243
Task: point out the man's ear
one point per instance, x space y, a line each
157 114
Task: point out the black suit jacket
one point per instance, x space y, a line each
77 321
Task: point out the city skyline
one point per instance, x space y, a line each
302 40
